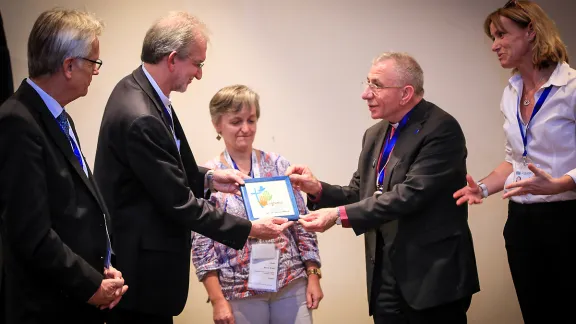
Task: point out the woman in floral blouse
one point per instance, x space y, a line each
224 271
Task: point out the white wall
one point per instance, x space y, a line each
307 59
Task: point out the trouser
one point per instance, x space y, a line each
540 243
287 306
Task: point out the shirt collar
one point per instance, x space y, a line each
559 78
165 100
50 102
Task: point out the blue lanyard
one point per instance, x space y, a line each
537 107
387 149
237 168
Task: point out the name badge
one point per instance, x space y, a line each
263 273
521 172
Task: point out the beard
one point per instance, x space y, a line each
181 85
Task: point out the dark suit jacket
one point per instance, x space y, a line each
6 90
7 86
432 253
51 217
154 195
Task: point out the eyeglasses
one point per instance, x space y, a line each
514 3
511 3
97 63
375 88
198 65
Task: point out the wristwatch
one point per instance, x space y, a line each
315 271
210 180
483 188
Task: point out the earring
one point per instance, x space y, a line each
218 137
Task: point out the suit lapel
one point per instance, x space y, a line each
376 151
89 181
188 160
55 132
406 138
143 82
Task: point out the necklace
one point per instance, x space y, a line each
526 100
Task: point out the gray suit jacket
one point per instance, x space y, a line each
432 253
154 193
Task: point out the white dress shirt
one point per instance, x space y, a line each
56 110
551 133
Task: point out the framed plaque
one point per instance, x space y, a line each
269 197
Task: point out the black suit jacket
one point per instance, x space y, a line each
52 218
432 253
154 195
7 86
6 90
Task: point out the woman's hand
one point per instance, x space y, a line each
472 194
540 184
314 292
222 312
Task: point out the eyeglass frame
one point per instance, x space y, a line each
198 65
97 63
374 87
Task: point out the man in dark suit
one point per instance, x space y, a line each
420 262
52 217
152 183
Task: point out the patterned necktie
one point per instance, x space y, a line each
171 118
170 115
65 127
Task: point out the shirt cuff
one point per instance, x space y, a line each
344 217
316 198
572 174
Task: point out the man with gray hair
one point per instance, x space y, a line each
53 219
151 181
420 262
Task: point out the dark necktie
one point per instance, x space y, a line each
65 127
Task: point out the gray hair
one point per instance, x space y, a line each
407 69
173 33
232 99
59 34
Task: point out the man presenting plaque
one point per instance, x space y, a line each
151 182
420 262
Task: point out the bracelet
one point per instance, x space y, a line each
483 188
314 271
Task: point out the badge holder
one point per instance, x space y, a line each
263 273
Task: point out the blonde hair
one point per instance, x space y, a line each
548 48
232 99
172 33
58 34
407 69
